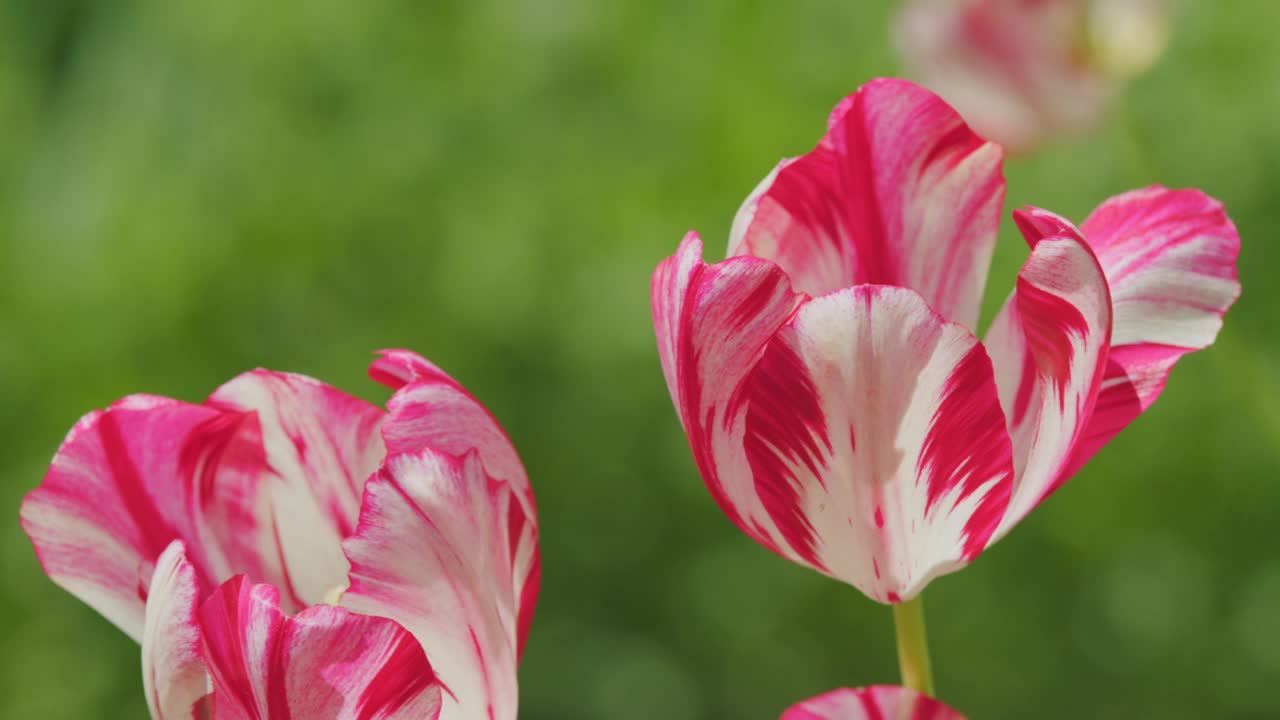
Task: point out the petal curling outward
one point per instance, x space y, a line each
174 676
875 442
129 480
1170 259
899 192
712 322
880 702
1049 346
324 662
450 553
432 410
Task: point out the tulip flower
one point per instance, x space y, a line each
837 401
286 550
1020 71
881 702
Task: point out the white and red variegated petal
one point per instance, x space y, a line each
747 211
450 553
874 437
879 702
899 192
1170 260
321 445
174 675
712 321
432 410
1049 346
324 662
129 480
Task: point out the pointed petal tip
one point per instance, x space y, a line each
395 368
1036 224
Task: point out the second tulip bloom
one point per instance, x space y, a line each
837 401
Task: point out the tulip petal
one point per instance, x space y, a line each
129 480
899 192
174 675
432 410
880 702
450 553
321 445
712 321
877 450
324 662
1049 347
1170 259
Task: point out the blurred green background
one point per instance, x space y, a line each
188 190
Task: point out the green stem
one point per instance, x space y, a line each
913 646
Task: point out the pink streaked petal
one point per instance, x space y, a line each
450 553
397 368
880 702
174 676
1049 346
432 410
712 321
1170 259
899 192
747 211
129 480
321 445
325 662
876 442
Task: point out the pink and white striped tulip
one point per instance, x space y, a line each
1020 71
836 399
880 702
286 550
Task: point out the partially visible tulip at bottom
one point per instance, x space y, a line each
285 550
879 702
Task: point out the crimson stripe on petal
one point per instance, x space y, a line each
712 322
1049 346
898 192
876 442
127 481
1170 260
324 662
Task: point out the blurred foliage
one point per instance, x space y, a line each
189 189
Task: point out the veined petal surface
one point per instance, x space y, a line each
899 192
174 676
1049 347
450 553
880 702
875 443
324 662
1170 260
321 445
129 480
